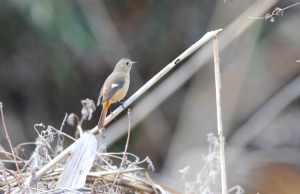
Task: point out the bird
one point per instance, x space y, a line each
114 88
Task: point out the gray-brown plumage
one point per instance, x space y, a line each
114 88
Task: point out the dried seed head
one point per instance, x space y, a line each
88 107
71 119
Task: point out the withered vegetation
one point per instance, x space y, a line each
103 176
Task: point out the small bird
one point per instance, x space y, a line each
115 87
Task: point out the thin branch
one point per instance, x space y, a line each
12 161
60 131
291 6
8 139
277 11
38 125
17 157
204 168
124 154
150 180
78 128
8 156
26 143
219 115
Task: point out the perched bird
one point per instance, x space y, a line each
115 87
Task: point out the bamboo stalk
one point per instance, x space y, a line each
219 115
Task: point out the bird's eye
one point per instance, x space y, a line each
127 63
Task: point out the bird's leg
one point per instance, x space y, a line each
122 102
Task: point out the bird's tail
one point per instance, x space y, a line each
105 106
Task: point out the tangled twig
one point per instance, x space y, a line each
277 11
8 139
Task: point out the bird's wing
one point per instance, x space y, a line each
112 86
100 96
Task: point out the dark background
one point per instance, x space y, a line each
55 53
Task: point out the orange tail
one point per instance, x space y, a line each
105 106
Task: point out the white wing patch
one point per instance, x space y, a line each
114 85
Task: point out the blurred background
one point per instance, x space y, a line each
55 53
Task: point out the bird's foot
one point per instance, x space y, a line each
122 103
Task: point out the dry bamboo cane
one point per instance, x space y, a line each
219 115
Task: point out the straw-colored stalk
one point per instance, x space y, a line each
219 115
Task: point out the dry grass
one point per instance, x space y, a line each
103 177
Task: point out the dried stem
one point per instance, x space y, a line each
219 116
60 131
124 154
291 6
78 128
277 11
8 139
17 157
151 182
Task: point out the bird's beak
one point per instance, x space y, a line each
134 62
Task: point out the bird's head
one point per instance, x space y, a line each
124 65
